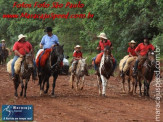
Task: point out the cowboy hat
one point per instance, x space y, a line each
102 35
2 40
77 46
132 42
48 29
21 36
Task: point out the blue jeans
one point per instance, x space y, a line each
12 65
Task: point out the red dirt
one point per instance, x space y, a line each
82 106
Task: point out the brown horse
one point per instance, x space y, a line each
129 73
146 72
26 70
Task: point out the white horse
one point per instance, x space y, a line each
80 73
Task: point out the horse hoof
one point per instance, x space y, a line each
53 96
81 88
45 92
103 95
41 92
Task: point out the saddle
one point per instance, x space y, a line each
42 57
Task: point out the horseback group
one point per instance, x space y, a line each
138 65
49 60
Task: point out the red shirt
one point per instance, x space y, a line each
22 47
143 49
132 51
102 45
77 54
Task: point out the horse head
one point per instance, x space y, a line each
57 56
28 60
83 64
151 57
107 53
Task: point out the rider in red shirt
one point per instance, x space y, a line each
104 42
20 48
142 50
77 55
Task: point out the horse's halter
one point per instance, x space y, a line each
28 60
82 66
151 58
57 53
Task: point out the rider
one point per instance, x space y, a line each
20 48
132 56
143 49
49 40
104 42
77 55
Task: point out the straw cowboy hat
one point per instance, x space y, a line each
2 40
21 36
132 42
102 35
77 46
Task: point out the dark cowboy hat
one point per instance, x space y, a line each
48 29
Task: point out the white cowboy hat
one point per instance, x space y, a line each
77 46
2 40
21 36
132 42
102 35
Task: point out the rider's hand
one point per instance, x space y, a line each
98 48
21 56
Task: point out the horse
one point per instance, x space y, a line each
146 72
80 73
105 70
4 55
52 67
129 73
26 70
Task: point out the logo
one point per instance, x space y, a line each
17 112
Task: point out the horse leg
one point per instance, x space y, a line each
22 86
129 87
145 88
104 84
99 82
55 76
26 84
77 82
135 85
82 83
16 84
123 82
140 85
47 87
148 84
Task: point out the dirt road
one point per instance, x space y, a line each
82 106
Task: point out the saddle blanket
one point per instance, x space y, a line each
16 66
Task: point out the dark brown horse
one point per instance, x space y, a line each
105 70
24 74
146 72
4 56
52 67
